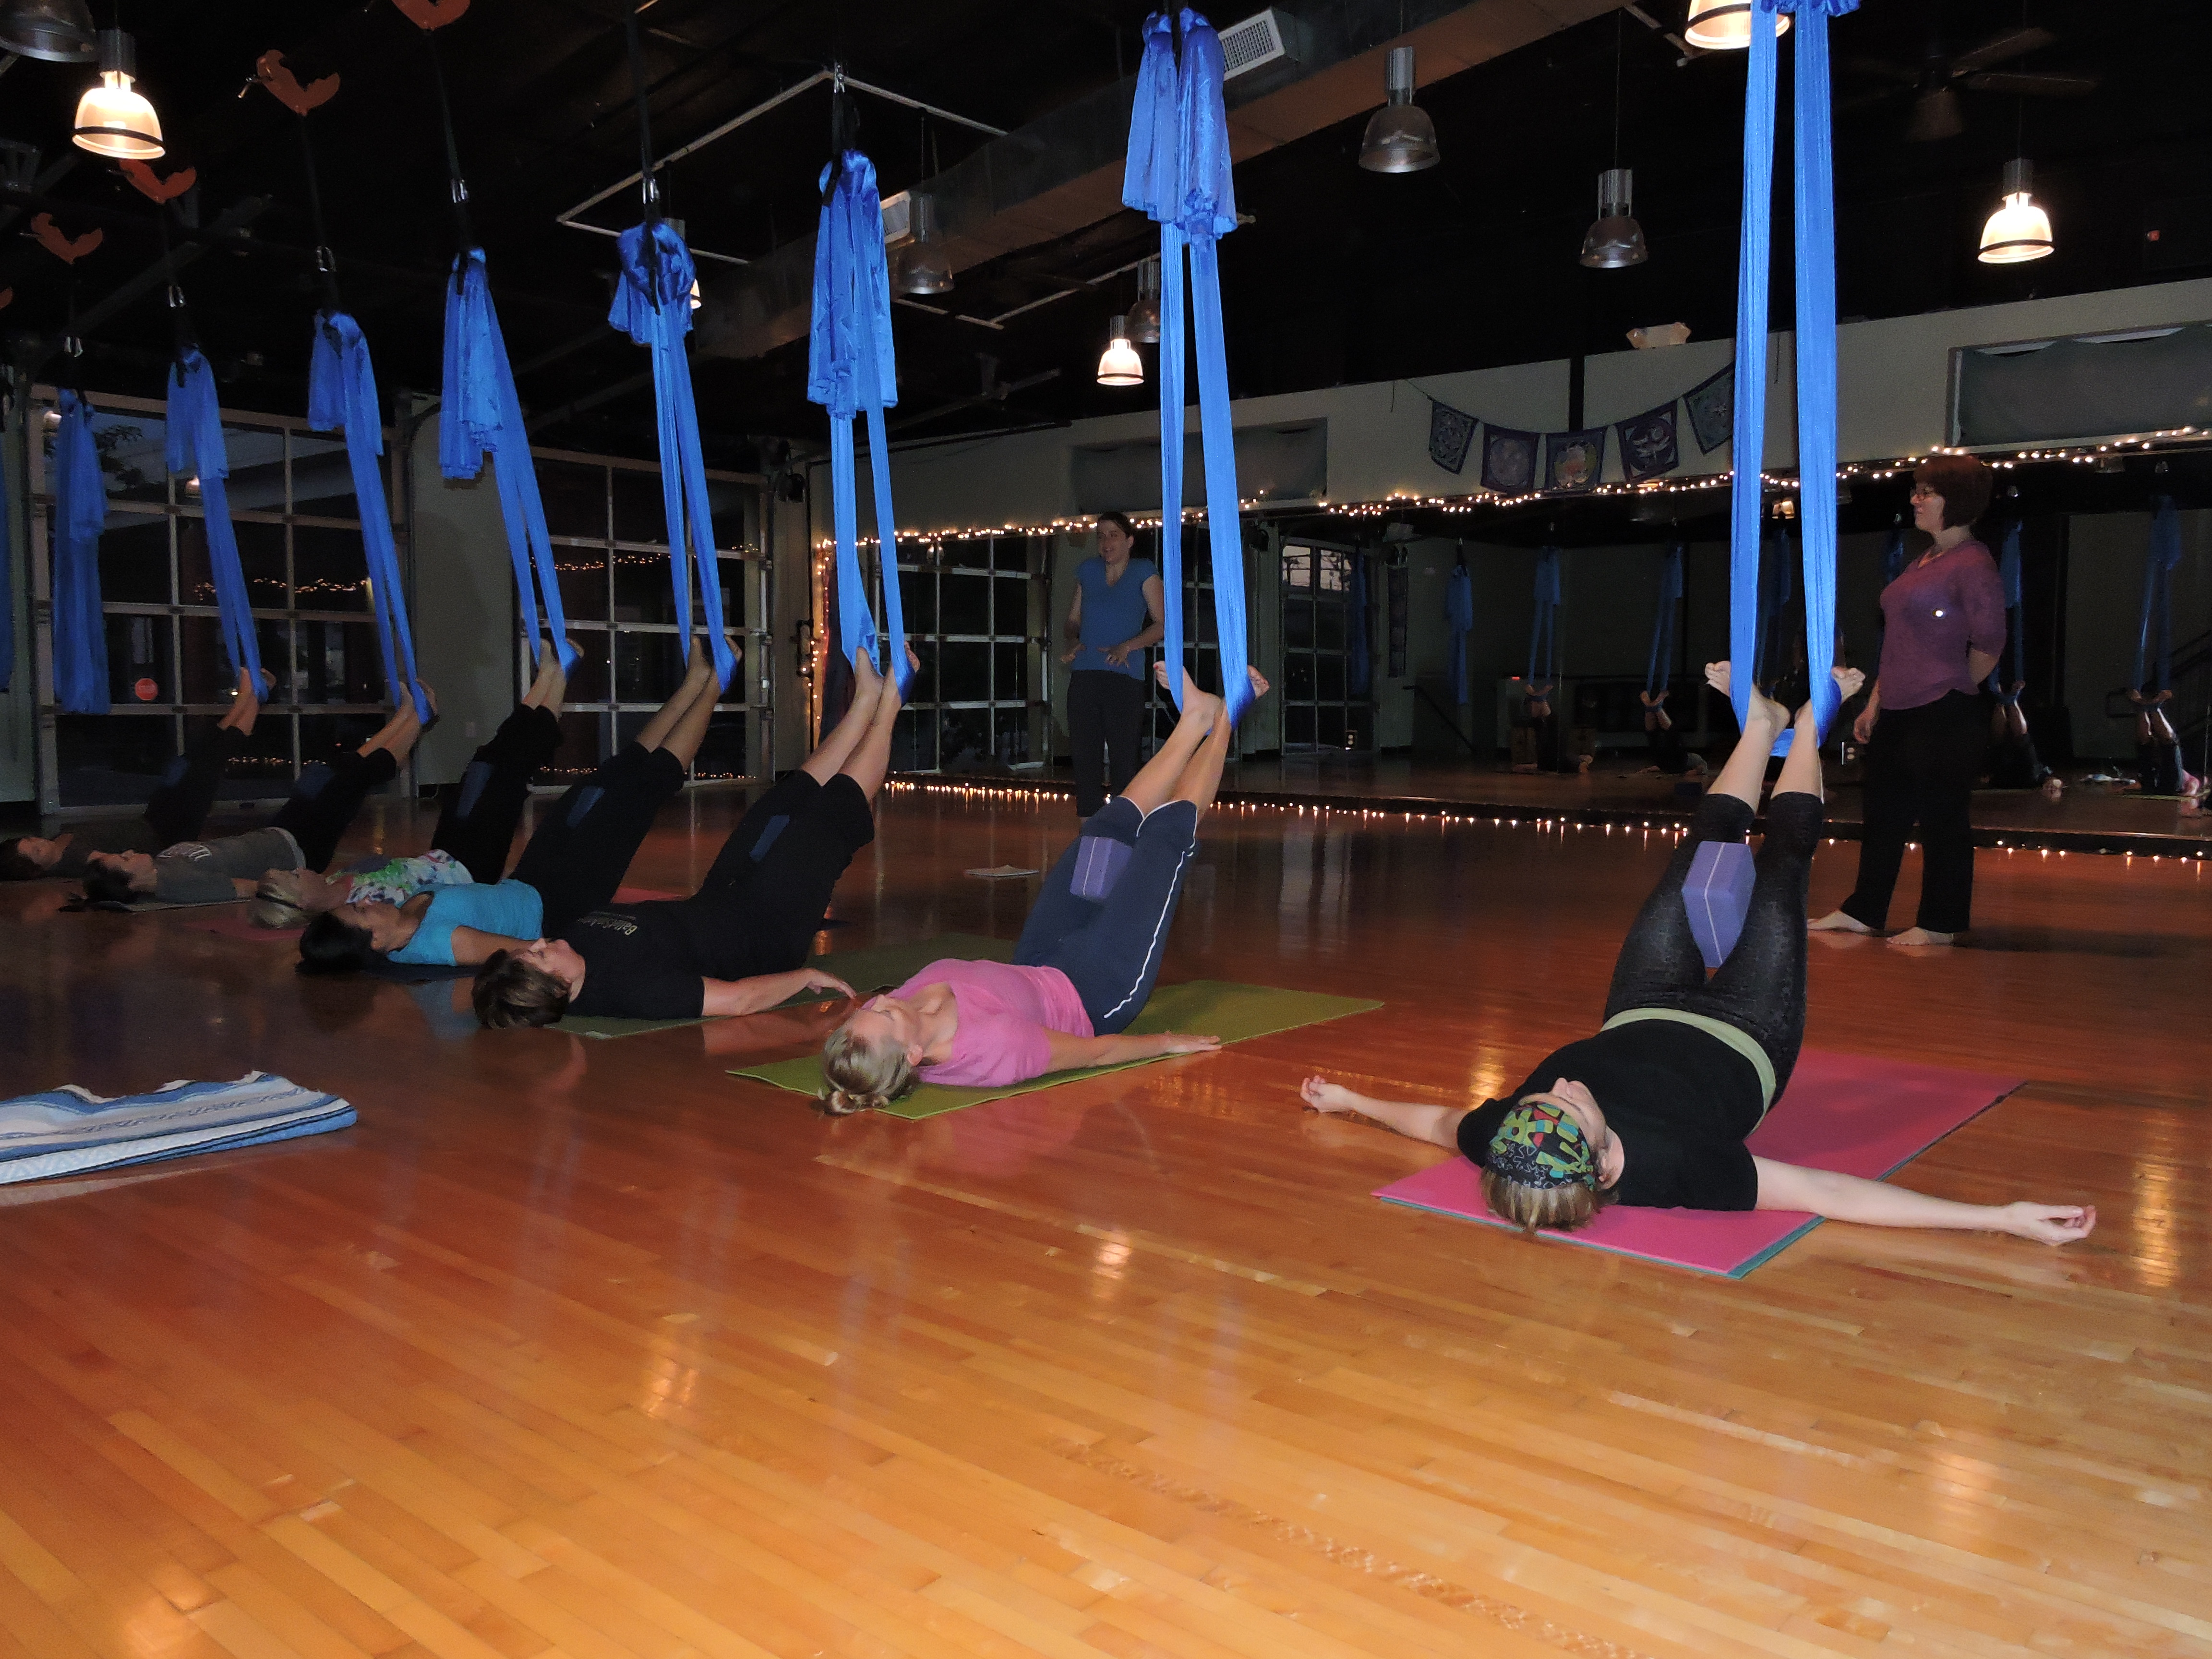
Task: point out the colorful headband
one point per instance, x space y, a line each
1540 1146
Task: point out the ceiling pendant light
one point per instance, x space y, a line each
927 269
56 31
1725 25
113 117
2019 230
1616 241
1145 321
1400 137
1119 364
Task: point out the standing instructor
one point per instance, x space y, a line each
1119 611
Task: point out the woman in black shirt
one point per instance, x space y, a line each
1654 1110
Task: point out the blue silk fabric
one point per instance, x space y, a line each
852 369
1544 624
1178 175
342 398
196 447
1662 666
2160 560
481 415
653 306
80 514
1459 617
1816 349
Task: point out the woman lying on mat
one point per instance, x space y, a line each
174 812
303 835
1088 955
1654 1110
576 860
740 944
476 826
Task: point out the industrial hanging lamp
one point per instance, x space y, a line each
1616 241
55 30
1119 364
1400 137
113 117
1145 321
928 270
2019 230
1725 25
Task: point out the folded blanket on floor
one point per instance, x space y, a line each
67 1130
1208 1007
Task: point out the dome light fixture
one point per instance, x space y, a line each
54 31
113 117
1400 137
926 270
2019 230
1725 25
1616 241
1119 364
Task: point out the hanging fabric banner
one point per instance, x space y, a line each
1544 625
1649 445
2001 683
653 306
1177 173
1815 242
195 449
1451 435
80 514
482 414
1509 461
1662 667
1574 461
1458 616
852 368
342 398
2160 559
1712 406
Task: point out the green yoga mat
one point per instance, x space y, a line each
1209 1006
866 971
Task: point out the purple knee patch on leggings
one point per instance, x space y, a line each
1099 861
1718 896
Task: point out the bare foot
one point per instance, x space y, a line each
2053 787
867 679
1325 1096
1259 686
1849 681
1194 699
1837 922
1922 936
1717 677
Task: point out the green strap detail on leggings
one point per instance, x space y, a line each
1743 1041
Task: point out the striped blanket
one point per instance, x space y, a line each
68 1130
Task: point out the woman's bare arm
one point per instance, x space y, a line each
1071 1053
1413 1119
1878 1204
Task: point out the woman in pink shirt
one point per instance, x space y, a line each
1925 727
1088 956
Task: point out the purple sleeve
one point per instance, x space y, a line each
992 1049
1982 598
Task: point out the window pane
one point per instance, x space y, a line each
639 514
722 753
1012 553
1328 678
105 760
918 591
963 737
587 680
256 484
134 560
913 741
964 604
737 581
1011 735
583 572
648 666
575 499
968 553
580 749
1299 725
339 663
324 737
208 676
263 769
1299 676
643 589
261 556
1328 626
1010 614
736 512
1010 679
1297 567
1329 727
965 673
924 689
331 569
133 466
322 478
139 667
1297 623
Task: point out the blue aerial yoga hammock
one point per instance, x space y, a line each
1177 174
1816 350
480 414
196 447
80 514
2000 682
342 398
653 306
1661 668
1544 624
1459 617
851 368
2160 560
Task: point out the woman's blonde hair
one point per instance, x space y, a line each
1566 1207
858 1078
276 902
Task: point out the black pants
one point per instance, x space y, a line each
476 823
1105 719
1920 770
1110 950
326 798
180 803
771 883
581 849
1667 752
1760 988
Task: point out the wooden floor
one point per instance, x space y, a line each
587 1348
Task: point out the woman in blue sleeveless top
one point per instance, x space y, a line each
1119 611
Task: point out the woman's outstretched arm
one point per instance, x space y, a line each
1438 1125
1878 1204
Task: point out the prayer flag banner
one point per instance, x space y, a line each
1509 461
1451 435
1711 407
1574 461
1648 444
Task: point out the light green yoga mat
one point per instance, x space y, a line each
866 971
1208 1007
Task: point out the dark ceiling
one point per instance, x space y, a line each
1343 277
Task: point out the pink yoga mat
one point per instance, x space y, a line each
1842 1112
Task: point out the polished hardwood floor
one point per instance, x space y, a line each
587 1348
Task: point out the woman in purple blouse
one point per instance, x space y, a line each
1925 727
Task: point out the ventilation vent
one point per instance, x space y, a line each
1255 41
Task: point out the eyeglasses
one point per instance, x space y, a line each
1923 493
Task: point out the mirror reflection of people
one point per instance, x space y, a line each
1118 613
2014 761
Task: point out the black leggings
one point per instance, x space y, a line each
1110 950
1760 988
326 798
1105 713
178 808
476 823
1920 770
582 849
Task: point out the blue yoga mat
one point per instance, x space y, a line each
70 1130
